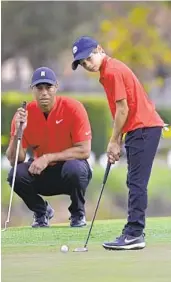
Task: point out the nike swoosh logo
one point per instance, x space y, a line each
87 133
127 241
59 121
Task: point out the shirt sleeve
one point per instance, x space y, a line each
81 129
117 86
24 142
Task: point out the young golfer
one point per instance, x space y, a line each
135 115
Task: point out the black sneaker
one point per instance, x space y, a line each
126 242
77 221
43 220
49 211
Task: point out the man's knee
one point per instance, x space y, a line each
21 172
76 170
10 176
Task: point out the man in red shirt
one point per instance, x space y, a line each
58 130
134 114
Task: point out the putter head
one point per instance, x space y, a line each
81 250
5 227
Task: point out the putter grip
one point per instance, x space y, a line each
106 172
20 131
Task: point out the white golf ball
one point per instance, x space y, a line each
64 249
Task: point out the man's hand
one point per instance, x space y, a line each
21 116
39 165
113 151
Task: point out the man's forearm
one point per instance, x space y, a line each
69 154
120 120
11 151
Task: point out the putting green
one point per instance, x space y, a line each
34 254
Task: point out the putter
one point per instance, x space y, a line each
85 249
19 137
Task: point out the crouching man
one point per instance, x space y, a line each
58 131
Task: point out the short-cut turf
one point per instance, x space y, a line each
34 254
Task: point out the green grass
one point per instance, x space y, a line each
34 254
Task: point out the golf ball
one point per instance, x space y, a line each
64 249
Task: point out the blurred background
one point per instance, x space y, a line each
38 34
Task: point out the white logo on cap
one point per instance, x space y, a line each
43 73
75 48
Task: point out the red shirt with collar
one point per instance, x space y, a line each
66 124
120 83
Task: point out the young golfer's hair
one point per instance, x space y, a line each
95 51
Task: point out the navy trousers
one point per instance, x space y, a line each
141 146
70 177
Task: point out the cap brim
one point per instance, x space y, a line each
43 81
81 56
75 64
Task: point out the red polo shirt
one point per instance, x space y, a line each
67 124
120 83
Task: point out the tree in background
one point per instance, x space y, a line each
40 30
135 39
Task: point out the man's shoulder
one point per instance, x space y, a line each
117 67
31 105
70 102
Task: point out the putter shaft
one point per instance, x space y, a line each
19 137
13 183
103 185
